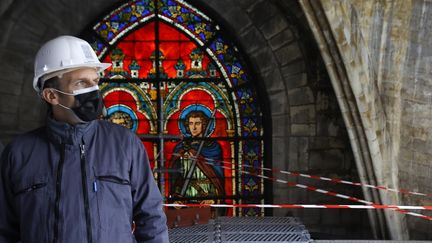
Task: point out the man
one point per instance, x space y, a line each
77 179
207 179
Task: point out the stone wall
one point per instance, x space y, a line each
415 91
379 53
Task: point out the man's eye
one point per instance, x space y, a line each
79 82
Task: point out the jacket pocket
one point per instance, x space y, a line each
114 199
32 201
26 186
113 179
30 188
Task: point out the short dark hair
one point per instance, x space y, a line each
204 119
50 83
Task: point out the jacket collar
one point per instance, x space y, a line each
64 133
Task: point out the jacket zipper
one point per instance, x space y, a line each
85 193
58 193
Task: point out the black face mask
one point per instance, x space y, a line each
88 103
88 106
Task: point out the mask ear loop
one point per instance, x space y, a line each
62 92
67 108
65 93
72 113
79 91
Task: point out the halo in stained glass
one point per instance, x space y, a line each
186 111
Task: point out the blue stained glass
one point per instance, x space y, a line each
171 3
100 45
102 27
202 35
184 10
115 18
97 45
236 66
257 163
110 35
229 68
234 81
241 93
244 77
245 93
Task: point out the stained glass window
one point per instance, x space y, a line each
182 86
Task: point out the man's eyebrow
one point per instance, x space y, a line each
87 78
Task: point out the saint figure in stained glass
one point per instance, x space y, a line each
121 118
197 160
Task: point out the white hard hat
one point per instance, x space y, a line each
64 54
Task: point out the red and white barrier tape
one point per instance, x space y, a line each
334 180
324 206
310 188
329 206
330 193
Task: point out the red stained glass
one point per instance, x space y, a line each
173 45
139 46
123 98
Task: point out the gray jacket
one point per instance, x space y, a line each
83 183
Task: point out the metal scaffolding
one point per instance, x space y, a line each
243 229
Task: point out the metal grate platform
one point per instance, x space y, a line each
243 229
259 220
277 228
263 237
190 238
196 229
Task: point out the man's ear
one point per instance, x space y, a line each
50 96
